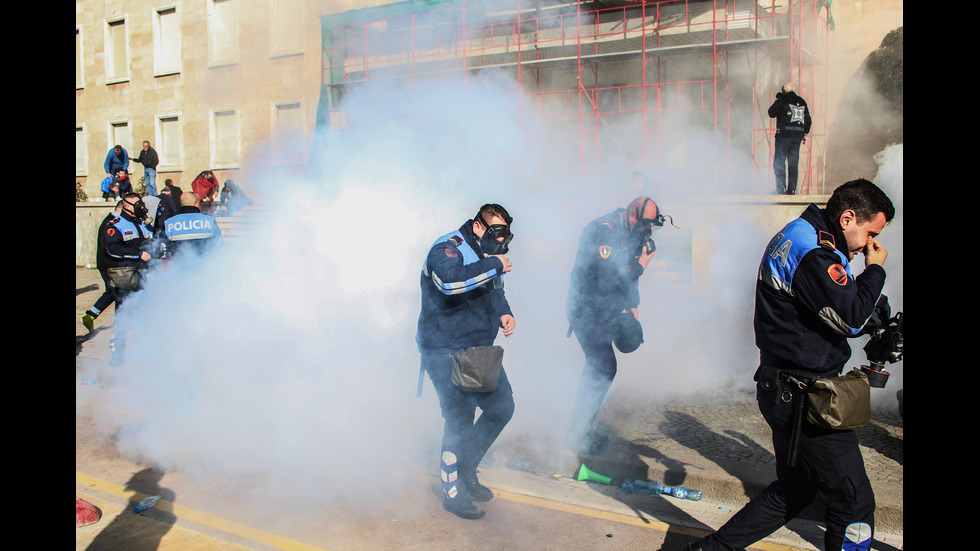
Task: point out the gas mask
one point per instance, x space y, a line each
496 237
139 210
641 232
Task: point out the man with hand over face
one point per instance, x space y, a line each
602 306
807 304
463 308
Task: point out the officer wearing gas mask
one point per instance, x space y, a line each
127 244
602 303
463 305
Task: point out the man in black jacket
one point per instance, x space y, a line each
807 304
149 159
792 125
102 264
126 243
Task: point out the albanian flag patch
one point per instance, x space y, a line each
838 274
450 253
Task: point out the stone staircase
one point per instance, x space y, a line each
242 223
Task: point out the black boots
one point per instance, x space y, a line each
476 491
467 490
462 506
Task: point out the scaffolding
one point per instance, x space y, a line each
614 71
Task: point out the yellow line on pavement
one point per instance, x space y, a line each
197 516
624 519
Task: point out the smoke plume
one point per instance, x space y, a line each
286 361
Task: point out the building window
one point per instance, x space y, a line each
222 32
81 156
116 52
225 138
166 42
121 134
285 27
289 144
168 143
79 75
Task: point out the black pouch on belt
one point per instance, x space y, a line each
477 368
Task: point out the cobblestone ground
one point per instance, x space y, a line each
729 426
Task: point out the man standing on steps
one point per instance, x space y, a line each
149 159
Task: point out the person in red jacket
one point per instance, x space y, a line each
205 185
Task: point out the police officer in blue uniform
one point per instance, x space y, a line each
807 304
101 263
602 305
792 125
190 229
463 305
127 244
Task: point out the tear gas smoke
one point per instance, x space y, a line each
286 363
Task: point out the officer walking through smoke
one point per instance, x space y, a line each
792 125
807 304
189 228
602 303
126 243
463 308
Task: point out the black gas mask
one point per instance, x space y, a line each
642 231
139 210
496 237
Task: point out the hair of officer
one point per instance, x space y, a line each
864 198
490 210
189 199
637 204
131 195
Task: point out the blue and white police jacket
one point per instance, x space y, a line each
191 227
124 241
462 294
807 302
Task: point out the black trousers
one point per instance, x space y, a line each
107 298
829 466
595 335
467 440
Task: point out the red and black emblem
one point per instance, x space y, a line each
451 253
838 274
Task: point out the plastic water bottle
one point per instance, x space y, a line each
651 487
519 465
146 504
681 492
655 488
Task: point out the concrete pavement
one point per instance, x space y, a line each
715 443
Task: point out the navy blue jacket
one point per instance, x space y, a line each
807 303
462 295
605 279
125 241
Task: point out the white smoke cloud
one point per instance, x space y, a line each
287 361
